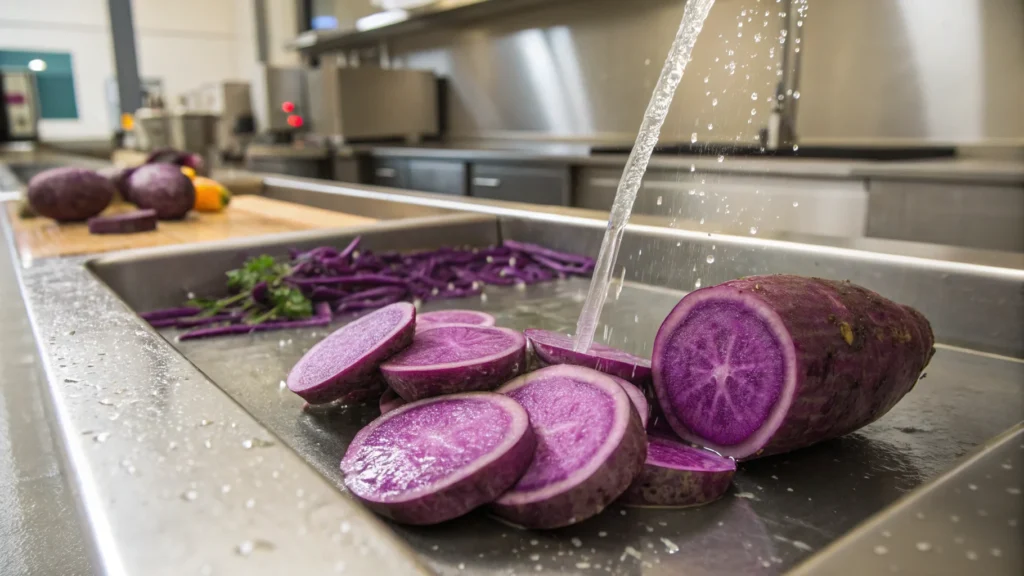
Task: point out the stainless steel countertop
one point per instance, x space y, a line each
158 453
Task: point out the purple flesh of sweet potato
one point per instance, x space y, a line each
454 358
164 188
437 459
769 364
590 447
390 400
636 396
127 223
348 360
554 348
678 475
471 317
69 194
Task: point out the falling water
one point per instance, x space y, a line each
695 13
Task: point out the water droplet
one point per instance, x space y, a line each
205 422
693 139
795 204
250 503
647 62
796 147
189 495
753 230
534 557
583 565
576 542
670 546
796 94
702 220
714 102
282 385
245 548
996 552
1013 490
972 486
659 200
101 437
721 159
971 555
710 259
923 546
706 79
711 126
753 111
697 284
954 518
225 489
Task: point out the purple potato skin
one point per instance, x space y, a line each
857 354
164 188
69 194
118 176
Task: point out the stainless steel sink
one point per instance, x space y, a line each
781 510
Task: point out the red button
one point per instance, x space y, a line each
288 107
295 121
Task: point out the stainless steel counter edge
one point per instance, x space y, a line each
172 476
951 525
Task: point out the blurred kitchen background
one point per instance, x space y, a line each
897 119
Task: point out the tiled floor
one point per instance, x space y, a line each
39 526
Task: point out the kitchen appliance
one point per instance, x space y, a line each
365 103
19 118
152 129
280 101
231 102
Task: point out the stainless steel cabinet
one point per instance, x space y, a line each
738 204
440 176
393 172
518 183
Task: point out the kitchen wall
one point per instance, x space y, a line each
186 43
878 71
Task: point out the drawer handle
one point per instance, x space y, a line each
385 172
486 182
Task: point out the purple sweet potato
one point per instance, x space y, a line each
471 317
126 223
439 458
453 358
678 475
162 187
390 400
636 396
769 364
348 360
590 447
554 348
69 194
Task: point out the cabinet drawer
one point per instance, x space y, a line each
393 172
517 183
440 176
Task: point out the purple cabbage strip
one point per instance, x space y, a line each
351 247
346 280
321 293
535 250
355 305
558 266
207 320
391 291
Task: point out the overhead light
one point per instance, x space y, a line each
36 65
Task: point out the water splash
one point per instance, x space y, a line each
679 55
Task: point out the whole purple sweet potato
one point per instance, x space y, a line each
118 176
162 187
69 194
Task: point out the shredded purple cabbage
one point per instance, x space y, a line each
354 279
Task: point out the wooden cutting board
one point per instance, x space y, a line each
246 216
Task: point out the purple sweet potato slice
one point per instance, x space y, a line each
554 348
769 364
348 360
678 475
454 358
390 400
636 396
437 459
590 447
471 317
126 223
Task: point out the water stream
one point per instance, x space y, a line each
694 14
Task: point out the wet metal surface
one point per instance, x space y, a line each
779 512
966 522
39 529
173 477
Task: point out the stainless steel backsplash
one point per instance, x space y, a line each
922 71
